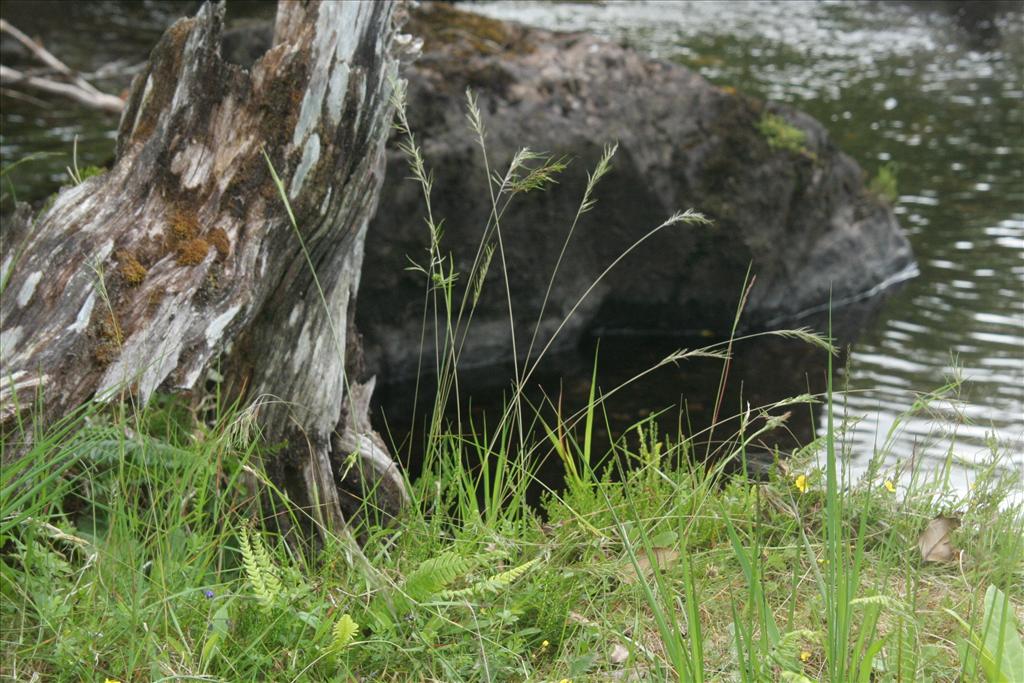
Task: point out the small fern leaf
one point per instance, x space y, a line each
268 569
435 573
492 584
424 583
343 632
512 575
461 593
251 565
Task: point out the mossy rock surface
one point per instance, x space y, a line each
800 217
446 29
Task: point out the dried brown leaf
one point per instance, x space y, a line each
665 557
934 542
619 654
577 618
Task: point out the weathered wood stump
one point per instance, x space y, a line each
182 260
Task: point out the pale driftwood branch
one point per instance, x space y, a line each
76 87
46 57
119 68
25 97
92 99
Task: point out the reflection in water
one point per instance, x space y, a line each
681 397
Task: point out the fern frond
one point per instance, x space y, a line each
260 570
791 640
267 567
492 584
435 573
424 583
343 632
512 575
251 565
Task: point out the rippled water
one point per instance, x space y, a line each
893 83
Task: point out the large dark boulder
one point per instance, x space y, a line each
800 216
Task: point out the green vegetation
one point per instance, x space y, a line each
780 134
665 568
80 175
883 185
141 543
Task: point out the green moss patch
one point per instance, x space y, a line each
465 33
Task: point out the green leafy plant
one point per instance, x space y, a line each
884 184
782 135
430 578
492 584
343 632
259 568
997 648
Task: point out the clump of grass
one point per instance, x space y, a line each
80 175
884 184
782 135
142 527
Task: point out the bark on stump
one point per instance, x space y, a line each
182 259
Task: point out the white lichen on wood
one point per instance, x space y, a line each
28 288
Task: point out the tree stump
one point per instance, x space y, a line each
182 260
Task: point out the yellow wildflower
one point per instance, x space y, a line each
544 645
111 680
801 483
889 486
805 656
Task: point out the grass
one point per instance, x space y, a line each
140 560
133 544
884 184
780 134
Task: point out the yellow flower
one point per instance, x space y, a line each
544 645
111 680
889 486
801 483
565 680
805 656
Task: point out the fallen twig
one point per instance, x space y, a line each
76 87
97 100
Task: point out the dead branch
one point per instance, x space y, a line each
74 87
102 101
